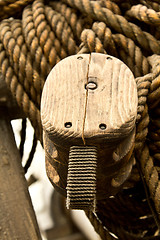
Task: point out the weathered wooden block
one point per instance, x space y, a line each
90 100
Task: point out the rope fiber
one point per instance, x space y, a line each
35 35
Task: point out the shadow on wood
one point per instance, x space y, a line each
17 218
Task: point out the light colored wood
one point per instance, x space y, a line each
97 94
63 99
113 103
17 218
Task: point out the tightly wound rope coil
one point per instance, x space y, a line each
42 33
81 182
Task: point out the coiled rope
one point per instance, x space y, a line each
41 34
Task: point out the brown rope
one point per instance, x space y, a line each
12 7
98 226
71 17
145 14
122 47
48 31
19 93
152 5
118 23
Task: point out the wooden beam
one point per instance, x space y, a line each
17 218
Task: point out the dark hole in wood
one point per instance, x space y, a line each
109 58
91 85
79 58
102 126
68 124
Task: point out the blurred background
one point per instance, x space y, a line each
54 220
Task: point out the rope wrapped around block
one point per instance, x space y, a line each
81 183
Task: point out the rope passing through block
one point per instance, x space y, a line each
81 180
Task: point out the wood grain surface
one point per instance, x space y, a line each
89 96
63 99
17 217
90 99
113 104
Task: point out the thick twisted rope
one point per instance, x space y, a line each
48 31
146 83
118 23
144 14
12 7
31 49
100 38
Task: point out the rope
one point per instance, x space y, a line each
31 155
12 7
41 33
118 23
81 179
100 38
144 14
23 137
21 147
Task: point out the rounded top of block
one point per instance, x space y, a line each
89 95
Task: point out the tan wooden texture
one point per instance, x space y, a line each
90 99
17 218
67 99
113 103
63 99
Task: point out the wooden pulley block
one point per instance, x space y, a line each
88 112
